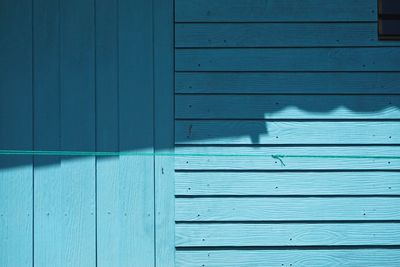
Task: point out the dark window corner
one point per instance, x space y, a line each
389 19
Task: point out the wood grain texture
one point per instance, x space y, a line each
259 158
275 10
49 248
136 133
16 172
298 234
77 127
164 133
279 258
287 183
286 132
260 78
287 209
287 107
288 83
288 59
111 194
278 35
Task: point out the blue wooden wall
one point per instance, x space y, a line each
265 77
253 78
86 75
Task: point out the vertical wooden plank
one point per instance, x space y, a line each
136 176
16 132
48 249
111 193
164 131
77 132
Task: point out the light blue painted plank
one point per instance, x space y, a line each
16 214
136 133
298 234
287 209
287 183
77 124
278 35
275 10
287 107
288 83
259 158
298 258
49 249
110 193
289 59
286 132
164 133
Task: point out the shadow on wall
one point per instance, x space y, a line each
219 119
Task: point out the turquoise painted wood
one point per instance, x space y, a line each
111 222
301 234
293 132
260 158
279 258
287 83
274 10
83 76
286 183
288 59
277 35
136 117
287 209
350 107
16 179
49 205
164 133
254 79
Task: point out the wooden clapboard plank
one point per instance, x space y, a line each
298 234
164 132
16 133
286 132
287 209
288 83
276 10
111 195
77 178
289 59
278 35
287 107
287 183
136 132
49 195
259 158
279 258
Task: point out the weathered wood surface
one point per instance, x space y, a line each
288 59
279 258
320 107
287 209
260 158
286 183
278 35
275 10
287 132
284 234
287 83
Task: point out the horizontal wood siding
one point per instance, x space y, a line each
278 35
287 116
279 258
303 83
